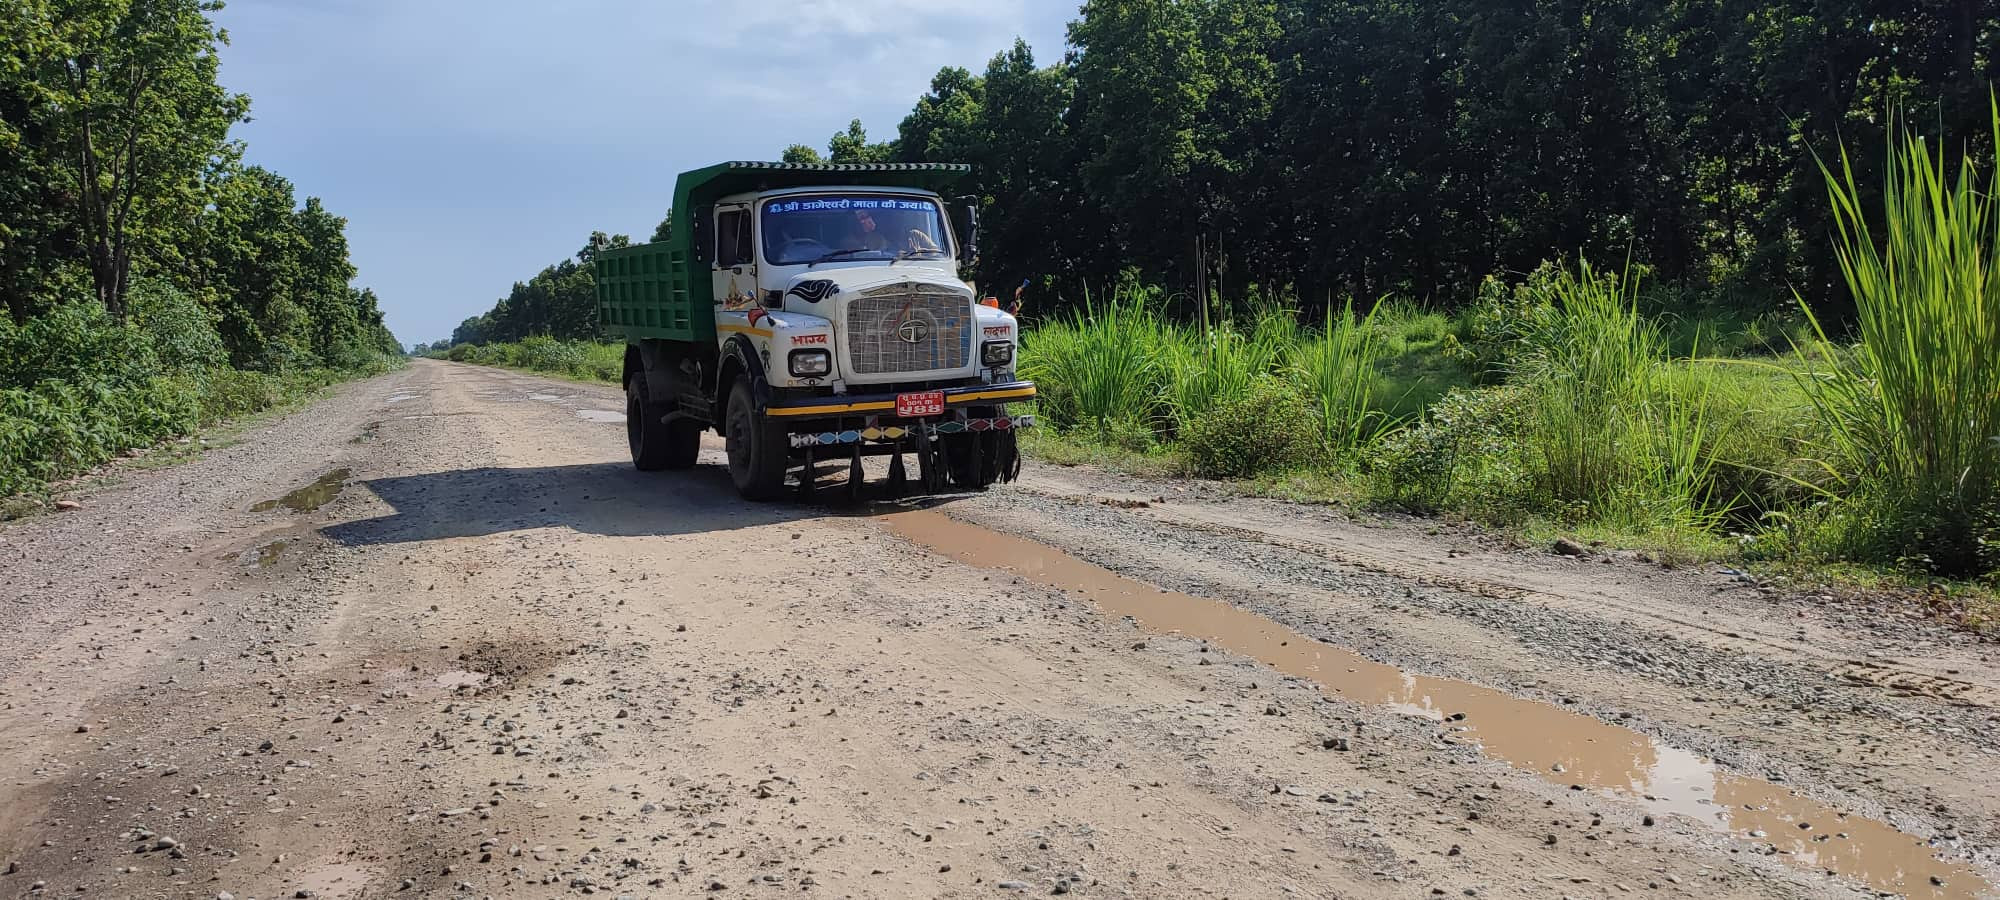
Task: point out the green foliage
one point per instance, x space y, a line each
588 360
1911 418
177 327
1463 455
120 121
77 387
1336 369
1266 426
1104 370
1379 147
138 258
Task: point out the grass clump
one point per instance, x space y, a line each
1910 417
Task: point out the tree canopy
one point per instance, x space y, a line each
116 165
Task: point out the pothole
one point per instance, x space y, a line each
1559 746
310 497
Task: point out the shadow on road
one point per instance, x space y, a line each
610 499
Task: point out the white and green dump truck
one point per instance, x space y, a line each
813 314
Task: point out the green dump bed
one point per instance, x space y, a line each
645 291
661 290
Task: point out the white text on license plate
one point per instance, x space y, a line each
922 403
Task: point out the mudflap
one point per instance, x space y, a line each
1006 456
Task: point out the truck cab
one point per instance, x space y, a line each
810 313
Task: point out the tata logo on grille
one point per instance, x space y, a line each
912 331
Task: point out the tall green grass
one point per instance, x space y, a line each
1105 368
1911 417
1233 395
1335 369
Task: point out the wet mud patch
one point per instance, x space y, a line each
311 497
269 554
1565 748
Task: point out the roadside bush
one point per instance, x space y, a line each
176 327
460 352
227 393
75 343
1463 455
546 354
1268 426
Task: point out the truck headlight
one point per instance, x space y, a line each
810 363
996 353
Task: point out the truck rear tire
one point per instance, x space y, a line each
757 451
657 444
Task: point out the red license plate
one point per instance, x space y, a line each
919 404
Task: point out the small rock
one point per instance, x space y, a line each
1567 547
1335 743
1013 885
66 505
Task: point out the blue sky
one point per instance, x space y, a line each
469 144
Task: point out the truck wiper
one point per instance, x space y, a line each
912 254
827 256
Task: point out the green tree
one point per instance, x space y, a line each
253 250
125 93
801 154
851 146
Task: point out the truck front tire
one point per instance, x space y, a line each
758 453
657 444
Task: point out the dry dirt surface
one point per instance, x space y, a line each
433 636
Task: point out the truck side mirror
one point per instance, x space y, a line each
965 221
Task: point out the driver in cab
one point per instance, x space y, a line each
867 235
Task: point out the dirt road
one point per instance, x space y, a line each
470 652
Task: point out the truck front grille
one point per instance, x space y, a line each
909 328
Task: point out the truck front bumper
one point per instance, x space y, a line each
870 419
875 404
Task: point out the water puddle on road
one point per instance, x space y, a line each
1560 746
310 497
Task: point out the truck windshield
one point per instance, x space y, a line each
817 227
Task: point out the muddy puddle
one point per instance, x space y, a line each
1562 747
310 497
